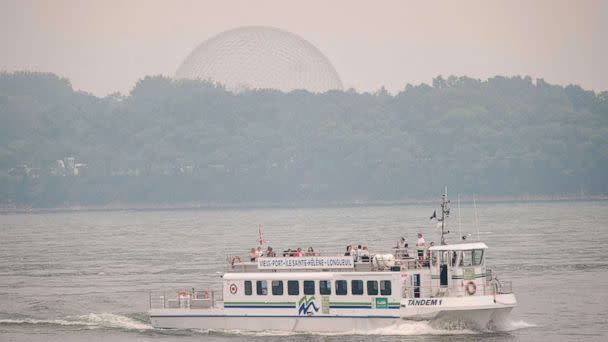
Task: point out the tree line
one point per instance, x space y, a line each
171 142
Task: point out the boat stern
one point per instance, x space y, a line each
478 312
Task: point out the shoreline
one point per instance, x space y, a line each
278 205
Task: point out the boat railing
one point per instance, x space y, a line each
504 287
498 286
402 258
185 299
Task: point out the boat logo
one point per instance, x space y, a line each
233 288
304 305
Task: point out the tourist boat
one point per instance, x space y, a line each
353 293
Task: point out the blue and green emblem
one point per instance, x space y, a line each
305 304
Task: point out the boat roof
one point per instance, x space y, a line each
459 247
301 275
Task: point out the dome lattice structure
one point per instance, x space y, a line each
257 57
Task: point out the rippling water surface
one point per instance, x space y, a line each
77 276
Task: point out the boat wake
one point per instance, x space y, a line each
120 322
405 328
92 321
516 325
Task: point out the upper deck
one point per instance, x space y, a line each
395 260
398 259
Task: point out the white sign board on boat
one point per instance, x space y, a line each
306 263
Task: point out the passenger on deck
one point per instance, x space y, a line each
260 252
353 252
299 253
310 252
401 243
253 255
348 250
420 243
364 255
270 253
287 253
359 252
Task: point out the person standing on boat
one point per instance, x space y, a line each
270 253
359 253
420 243
364 254
401 249
253 255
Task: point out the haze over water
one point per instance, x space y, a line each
77 276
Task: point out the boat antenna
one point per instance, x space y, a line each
476 225
445 212
459 221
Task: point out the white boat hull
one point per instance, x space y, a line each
477 312
206 320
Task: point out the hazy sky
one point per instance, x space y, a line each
106 46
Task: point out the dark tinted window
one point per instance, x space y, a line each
372 287
325 287
356 287
248 290
385 287
277 287
309 287
293 288
341 287
261 287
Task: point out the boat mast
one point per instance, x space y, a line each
445 212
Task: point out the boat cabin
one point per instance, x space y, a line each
451 270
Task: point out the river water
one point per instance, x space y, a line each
87 275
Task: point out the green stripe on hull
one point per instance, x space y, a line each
260 303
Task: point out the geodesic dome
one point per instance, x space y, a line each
260 58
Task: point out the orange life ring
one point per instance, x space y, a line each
233 288
471 288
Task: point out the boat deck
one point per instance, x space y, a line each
400 260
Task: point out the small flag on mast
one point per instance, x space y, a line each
434 215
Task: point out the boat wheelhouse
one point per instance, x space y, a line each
336 293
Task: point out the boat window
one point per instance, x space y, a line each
385 287
356 287
293 287
248 290
372 287
341 287
277 287
261 287
467 258
309 287
325 287
477 256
